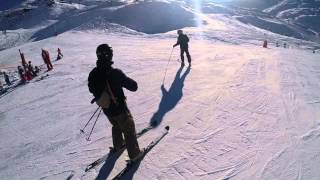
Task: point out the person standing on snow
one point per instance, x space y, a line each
1 87
22 74
23 59
6 78
36 70
183 41
46 58
31 69
60 55
106 78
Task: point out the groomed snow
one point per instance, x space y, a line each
241 112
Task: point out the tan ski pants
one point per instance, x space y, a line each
123 125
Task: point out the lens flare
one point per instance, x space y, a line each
198 9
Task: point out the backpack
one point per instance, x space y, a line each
106 97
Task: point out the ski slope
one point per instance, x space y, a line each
240 112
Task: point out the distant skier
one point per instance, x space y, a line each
22 74
36 70
183 41
105 79
60 55
23 60
28 73
31 69
6 78
265 44
46 58
285 45
1 87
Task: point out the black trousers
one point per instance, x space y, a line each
185 50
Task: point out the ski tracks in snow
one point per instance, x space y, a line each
244 113
223 139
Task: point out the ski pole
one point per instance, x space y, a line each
88 138
165 73
82 130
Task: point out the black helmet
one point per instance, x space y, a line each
104 52
179 31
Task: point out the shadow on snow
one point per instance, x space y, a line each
170 97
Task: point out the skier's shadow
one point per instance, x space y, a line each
170 98
108 166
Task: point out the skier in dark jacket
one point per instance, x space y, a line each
60 55
117 113
6 77
183 41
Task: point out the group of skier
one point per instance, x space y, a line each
27 71
106 83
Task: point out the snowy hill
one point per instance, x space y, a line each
303 13
240 112
37 20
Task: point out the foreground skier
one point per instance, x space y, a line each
105 78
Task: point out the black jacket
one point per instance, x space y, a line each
183 41
117 79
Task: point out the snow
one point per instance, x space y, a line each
241 111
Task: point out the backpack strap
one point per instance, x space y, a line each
113 98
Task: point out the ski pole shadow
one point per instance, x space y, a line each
170 97
108 166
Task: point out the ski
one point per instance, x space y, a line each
145 150
111 152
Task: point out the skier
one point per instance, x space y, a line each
6 78
184 48
285 45
23 60
265 44
37 70
31 69
60 55
104 77
46 59
1 87
22 74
